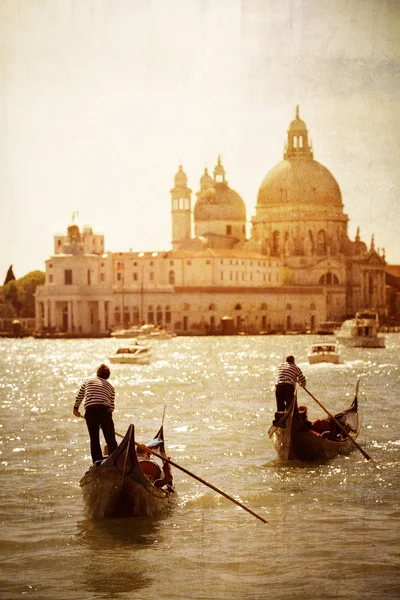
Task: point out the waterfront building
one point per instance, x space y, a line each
297 269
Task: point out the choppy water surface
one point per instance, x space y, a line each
333 528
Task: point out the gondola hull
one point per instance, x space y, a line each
118 487
294 440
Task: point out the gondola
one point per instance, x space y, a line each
124 486
295 440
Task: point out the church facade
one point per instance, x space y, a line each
298 267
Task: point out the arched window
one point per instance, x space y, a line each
186 306
171 277
211 307
288 307
238 307
321 242
275 242
312 306
263 306
329 279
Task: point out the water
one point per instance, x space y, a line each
333 528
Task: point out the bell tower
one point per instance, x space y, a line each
181 209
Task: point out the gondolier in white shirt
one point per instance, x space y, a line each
98 395
288 375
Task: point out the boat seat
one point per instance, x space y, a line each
151 469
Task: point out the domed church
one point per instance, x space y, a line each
297 269
299 220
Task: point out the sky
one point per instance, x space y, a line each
102 100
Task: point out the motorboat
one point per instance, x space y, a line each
323 352
144 332
153 332
134 354
361 332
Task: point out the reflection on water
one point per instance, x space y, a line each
333 526
112 558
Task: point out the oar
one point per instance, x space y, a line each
339 424
210 485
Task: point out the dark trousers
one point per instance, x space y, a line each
284 393
98 415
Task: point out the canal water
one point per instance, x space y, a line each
333 528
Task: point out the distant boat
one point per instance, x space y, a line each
328 327
362 331
134 354
142 332
323 352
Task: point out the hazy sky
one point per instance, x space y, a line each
100 101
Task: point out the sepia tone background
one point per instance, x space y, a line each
102 100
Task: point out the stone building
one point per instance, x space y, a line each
297 268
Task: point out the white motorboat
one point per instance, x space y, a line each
362 331
153 332
323 352
144 332
135 354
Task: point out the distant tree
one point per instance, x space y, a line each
10 275
21 293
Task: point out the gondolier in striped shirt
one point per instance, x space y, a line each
98 395
288 375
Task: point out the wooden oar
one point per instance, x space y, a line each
210 485
339 424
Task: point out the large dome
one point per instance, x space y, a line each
302 181
219 202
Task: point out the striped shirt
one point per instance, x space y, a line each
290 373
95 391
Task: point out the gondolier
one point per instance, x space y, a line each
288 375
98 395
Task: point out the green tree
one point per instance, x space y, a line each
21 293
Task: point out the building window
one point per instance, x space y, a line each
171 277
168 314
68 276
102 277
211 307
321 242
150 314
171 262
50 278
275 242
159 315
222 275
229 230
151 276
329 279
119 276
89 277
135 276
188 262
238 307
208 262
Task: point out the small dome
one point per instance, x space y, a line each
180 178
219 202
73 232
299 182
206 180
297 124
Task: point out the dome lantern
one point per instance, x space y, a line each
297 144
219 172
